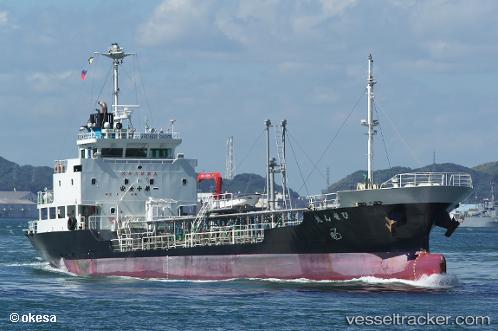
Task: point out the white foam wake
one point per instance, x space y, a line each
42 265
436 281
30 264
168 280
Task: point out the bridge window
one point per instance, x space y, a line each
43 213
61 212
136 152
71 210
160 153
112 152
77 168
52 213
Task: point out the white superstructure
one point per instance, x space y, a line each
118 169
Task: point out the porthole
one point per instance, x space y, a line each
94 181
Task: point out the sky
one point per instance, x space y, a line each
221 68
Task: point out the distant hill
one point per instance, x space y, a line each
243 184
34 179
482 177
490 168
24 178
30 178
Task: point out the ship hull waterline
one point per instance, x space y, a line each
329 266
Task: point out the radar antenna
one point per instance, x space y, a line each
117 54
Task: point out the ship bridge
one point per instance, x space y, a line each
104 137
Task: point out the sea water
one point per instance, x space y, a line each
30 288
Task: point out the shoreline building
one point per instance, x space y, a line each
18 204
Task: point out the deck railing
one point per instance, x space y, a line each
221 235
127 134
429 179
45 197
321 201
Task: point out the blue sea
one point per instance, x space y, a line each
30 286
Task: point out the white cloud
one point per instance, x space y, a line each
292 66
336 7
50 82
322 95
173 20
247 23
4 18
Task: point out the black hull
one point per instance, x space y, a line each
387 230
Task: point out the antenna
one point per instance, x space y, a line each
172 125
327 172
268 164
230 160
492 183
281 147
370 123
117 54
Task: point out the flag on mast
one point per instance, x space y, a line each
83 74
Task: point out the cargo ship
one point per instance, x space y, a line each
128 205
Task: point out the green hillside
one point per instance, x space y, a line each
30 178
243 184
482 176
24 178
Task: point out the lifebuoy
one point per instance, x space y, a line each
71 223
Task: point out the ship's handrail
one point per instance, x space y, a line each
236 234
127 134
45 197
413 179
320 201
142 234
100 222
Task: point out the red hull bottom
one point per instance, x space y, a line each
333 266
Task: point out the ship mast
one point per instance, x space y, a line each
117 54
370 123
268 166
